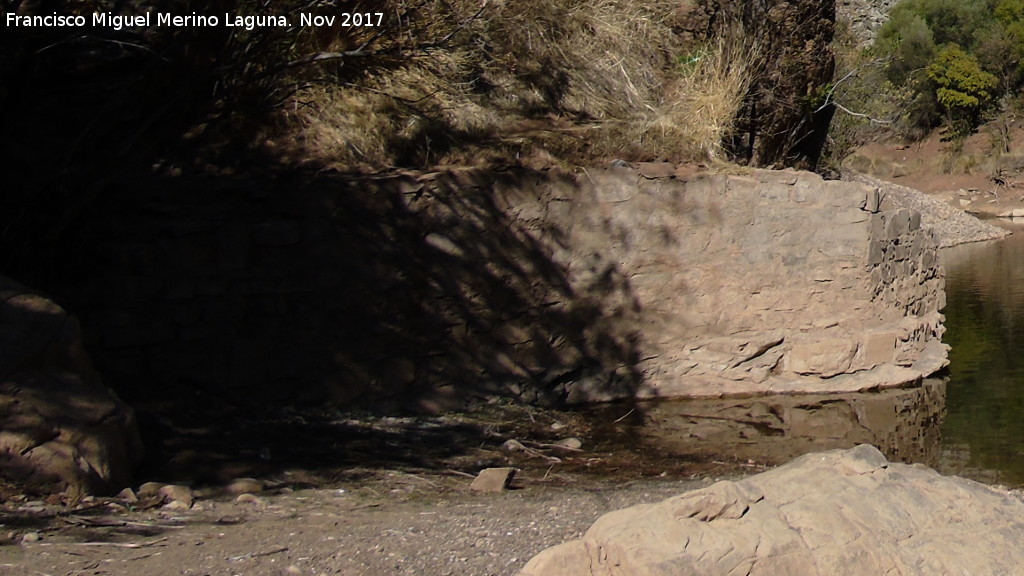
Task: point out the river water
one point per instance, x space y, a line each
983 430
968 421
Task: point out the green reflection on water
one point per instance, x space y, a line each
984 427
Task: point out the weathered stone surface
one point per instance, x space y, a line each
432 290
838 512
864 18
61 429
245 486
825 357
493 479
177 496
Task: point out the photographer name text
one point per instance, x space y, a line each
150 19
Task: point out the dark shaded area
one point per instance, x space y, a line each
400 292
60 427
276 288
782 123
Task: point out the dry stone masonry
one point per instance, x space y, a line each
432 290
770 282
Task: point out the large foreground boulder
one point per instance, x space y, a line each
61 429
838 512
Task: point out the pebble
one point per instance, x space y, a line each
31 537
245 486
570 443
127 495
176 494
249 499
513 446
493 479
150 489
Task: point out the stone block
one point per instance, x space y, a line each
657 170
899 223
876 253
872 200
493 480
824 356
851 216
879 348
614 189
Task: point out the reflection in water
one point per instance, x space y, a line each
971 424
984 431
903 423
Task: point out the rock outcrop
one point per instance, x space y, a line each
60 427
864 17
839 512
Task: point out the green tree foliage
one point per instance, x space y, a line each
909 41
953 59
962 88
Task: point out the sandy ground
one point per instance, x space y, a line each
357 496
396 523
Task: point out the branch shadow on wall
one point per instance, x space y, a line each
409 293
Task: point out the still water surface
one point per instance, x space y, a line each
970 422
983 431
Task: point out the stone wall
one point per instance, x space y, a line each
773 281
432 290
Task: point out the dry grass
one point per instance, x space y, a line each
580 80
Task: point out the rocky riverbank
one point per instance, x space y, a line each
838 512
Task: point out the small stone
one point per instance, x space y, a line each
127 495
293 569
150 489
249 499
173 493
31 537
176 505
493 479
513 446
245 486
570 443
556 426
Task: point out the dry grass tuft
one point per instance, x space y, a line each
580 80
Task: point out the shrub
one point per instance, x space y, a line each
963 89
954 60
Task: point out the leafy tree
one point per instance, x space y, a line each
963 89
909 40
